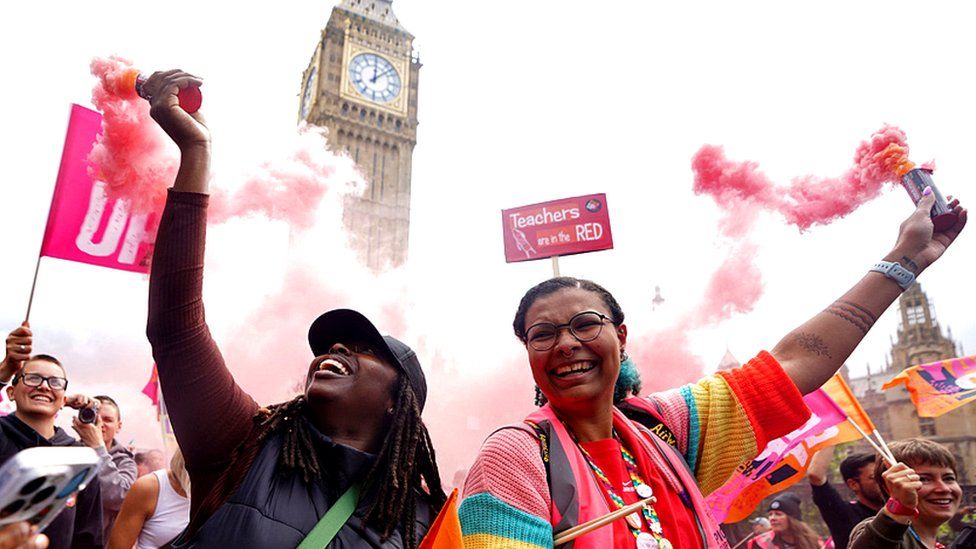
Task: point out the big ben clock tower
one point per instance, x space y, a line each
361 84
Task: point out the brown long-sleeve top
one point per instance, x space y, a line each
210 413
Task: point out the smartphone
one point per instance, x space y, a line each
37 483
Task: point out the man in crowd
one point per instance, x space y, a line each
118 470
148 461
37 385
841 516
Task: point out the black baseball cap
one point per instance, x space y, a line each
340 325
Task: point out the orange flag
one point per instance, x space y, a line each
841 393
445 532
939 387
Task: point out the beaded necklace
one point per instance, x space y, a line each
654 540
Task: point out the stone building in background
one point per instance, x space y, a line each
919 340
361 84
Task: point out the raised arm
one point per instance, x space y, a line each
210 413
813 352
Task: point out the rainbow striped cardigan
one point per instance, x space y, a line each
719 422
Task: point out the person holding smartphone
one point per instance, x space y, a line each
38 385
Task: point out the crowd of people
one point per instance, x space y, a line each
349 462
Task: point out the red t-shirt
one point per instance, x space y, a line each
676 519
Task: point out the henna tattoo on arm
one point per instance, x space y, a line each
853 313
911 265
812 343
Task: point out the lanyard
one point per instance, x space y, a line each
656 539
919 539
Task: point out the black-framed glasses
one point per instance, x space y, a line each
54 382
585 326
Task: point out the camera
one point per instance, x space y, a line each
88 414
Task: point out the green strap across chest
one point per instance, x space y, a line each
333 520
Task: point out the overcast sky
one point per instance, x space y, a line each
520 102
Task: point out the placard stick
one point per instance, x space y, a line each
747 538
886 455
570 534
555 266
30 301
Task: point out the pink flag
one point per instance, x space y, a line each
151 389
83 224
756 479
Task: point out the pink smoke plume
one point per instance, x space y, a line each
290 189
138 162
132 155
742 190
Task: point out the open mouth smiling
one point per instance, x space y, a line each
335 366
573 368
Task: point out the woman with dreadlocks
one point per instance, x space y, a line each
592 447
351 453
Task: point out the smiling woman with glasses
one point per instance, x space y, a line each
594 447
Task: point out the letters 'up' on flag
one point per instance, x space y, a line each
445 532
939 387
83 224
780 465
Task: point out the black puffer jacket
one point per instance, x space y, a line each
277 510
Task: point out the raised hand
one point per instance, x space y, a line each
902 483
918 244
186 130
18 349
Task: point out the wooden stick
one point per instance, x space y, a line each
747 538
555 266
884 445
570 534
885 455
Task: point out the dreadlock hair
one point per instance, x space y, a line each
628 380
405 464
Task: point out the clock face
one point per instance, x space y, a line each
309 90
374 77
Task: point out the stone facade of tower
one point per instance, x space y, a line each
919 340
361 84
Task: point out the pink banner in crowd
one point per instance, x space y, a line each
83 224
726 503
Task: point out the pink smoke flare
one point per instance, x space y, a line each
132 155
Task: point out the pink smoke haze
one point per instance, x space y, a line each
472 389
289 189
742 192
148 166
741 189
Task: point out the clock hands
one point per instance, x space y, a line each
377 74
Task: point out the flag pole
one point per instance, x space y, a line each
30 300
747 538
885 453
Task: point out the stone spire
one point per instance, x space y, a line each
380 11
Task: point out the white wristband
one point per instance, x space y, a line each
893 270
